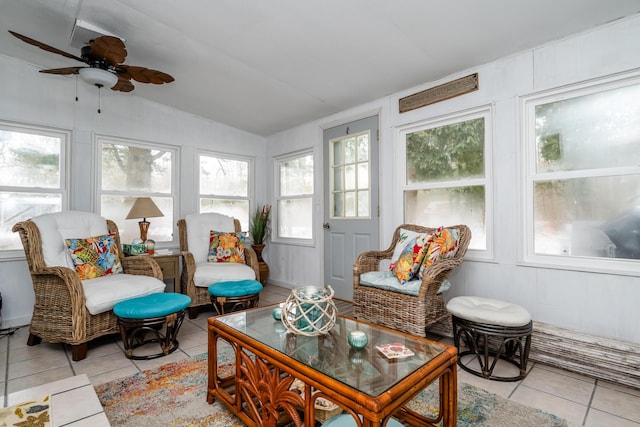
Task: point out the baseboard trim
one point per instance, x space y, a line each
598 357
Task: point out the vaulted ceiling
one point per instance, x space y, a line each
264 66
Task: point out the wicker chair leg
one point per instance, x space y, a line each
33 340
79 351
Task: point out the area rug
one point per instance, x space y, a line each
175 395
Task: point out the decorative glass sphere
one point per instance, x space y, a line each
358 339
150 245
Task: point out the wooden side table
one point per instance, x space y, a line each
169 263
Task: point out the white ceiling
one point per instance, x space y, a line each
264 66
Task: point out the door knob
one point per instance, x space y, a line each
326 226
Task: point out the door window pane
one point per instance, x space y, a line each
350 177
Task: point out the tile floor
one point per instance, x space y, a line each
581 400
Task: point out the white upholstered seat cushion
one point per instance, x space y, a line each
208 273
104 292
488 311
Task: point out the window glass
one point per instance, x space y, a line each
32 180
224 186
295 197
583 191
131 169
445 178
350 197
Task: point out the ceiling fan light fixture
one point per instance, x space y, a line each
98 77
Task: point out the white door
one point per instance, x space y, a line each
350 201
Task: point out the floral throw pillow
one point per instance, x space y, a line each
95 256
403 238
444 245
411 257
226 247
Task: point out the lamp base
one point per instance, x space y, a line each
144 228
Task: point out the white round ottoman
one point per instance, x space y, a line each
493 330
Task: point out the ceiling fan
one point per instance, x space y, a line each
104 57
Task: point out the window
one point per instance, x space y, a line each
447 174
582 153
295 197
224 186
129 169
349 172
33 178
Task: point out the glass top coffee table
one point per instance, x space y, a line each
279 374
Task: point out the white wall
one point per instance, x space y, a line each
27 96
601 304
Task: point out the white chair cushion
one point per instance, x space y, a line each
388 281
208 273
56 227
199 228
104 292
488 311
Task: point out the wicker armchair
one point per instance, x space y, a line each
60 314
194 253
408 313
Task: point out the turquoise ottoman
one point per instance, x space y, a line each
149 314
234 295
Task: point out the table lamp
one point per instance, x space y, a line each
144 208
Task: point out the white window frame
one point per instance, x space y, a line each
529 176
274 221
250 181
485 112
175 159
63 189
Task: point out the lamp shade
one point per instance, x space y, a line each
98 77
144 207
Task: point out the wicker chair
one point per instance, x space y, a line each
408 313
188 280
60 314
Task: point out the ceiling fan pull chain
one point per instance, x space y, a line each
76 88
99 98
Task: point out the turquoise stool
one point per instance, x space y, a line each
150 313
346 420
234 295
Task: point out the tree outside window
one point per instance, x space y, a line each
224 186
445 178
583 183
131 169
32 181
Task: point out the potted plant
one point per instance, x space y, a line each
259 225
259 229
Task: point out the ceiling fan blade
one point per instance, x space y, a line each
109 48
45 46
146 75
123 85
63 71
